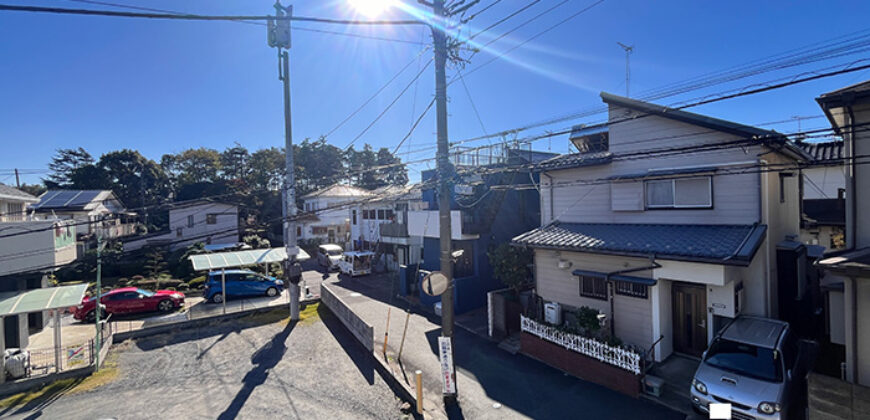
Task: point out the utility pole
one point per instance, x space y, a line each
17 180
628 51
279 37
98 308
444 175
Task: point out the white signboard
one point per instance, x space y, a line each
445 353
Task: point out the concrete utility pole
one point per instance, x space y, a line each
98 308
444 175
17 179
279 37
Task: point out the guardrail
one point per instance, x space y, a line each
616 356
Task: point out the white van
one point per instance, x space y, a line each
356 263
328 255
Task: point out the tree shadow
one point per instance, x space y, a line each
264 359
357 353
50 395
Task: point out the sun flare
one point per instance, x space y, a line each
371 8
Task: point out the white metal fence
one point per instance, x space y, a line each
619 357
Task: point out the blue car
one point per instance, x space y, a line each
241 283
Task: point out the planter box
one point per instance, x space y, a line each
581 366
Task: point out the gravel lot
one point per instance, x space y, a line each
234 370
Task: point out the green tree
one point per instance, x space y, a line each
64 163
394 175
135 180
318 165
33 189
235 166
359 164
155 265
267 169
510 264
192 166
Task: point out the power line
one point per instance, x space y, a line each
187 16
295 27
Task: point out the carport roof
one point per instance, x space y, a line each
36 300
242 258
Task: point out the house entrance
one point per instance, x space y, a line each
690 318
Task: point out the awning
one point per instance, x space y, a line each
37 300
242 258
616 277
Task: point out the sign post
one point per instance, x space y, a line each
448 376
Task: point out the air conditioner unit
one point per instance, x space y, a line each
553 313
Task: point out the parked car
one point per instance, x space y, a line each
757 365
356 263
129 300
240 283
328 255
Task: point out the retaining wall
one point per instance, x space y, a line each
363 332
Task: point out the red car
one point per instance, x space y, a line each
130 300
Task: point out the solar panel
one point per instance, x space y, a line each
84 198
45 198
60 199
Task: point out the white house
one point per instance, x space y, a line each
91 210
382 225
823 188
29 251
13 203
326 214
209 222
667 222
847 274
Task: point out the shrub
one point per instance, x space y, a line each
183 286
196 283
510 264
138 278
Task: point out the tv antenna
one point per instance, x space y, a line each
628 50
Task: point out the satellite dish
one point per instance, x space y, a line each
434 284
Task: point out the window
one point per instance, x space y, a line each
627 288
178 232
381 215
389 215
211 219
298 231
190 221
679 193
354 216
593 287
319 230
365 214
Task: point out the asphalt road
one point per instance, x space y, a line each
234 370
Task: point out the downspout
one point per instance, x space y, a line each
550 189
853 229
854 330
764 210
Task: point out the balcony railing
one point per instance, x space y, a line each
394 230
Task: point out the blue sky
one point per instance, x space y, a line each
163 86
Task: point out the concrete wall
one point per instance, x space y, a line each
833 399
862 177
860 287
359 328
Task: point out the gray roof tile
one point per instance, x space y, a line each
575 160
726 244
15 193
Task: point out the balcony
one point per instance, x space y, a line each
394 230
425 223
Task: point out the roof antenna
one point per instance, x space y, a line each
628 50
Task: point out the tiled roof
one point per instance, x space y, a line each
724 244
11 193
854 262
829 150
574 160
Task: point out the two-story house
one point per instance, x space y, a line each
91 210
326 215
667 223
823 192
847 273
485 209
209 222
29 251
387 224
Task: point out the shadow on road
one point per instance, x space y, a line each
348 343
264 359
51 394
223 328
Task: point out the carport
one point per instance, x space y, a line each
38 300
238 259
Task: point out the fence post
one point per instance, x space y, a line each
91 350
387 331
419 375
405 331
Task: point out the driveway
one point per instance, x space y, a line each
492 383
239 369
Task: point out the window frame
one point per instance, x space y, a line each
593 294
674 205
211 218
190 220
632 289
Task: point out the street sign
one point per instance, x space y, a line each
434 284
445 354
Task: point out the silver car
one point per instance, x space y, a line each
758 366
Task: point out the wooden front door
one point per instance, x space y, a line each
690 319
